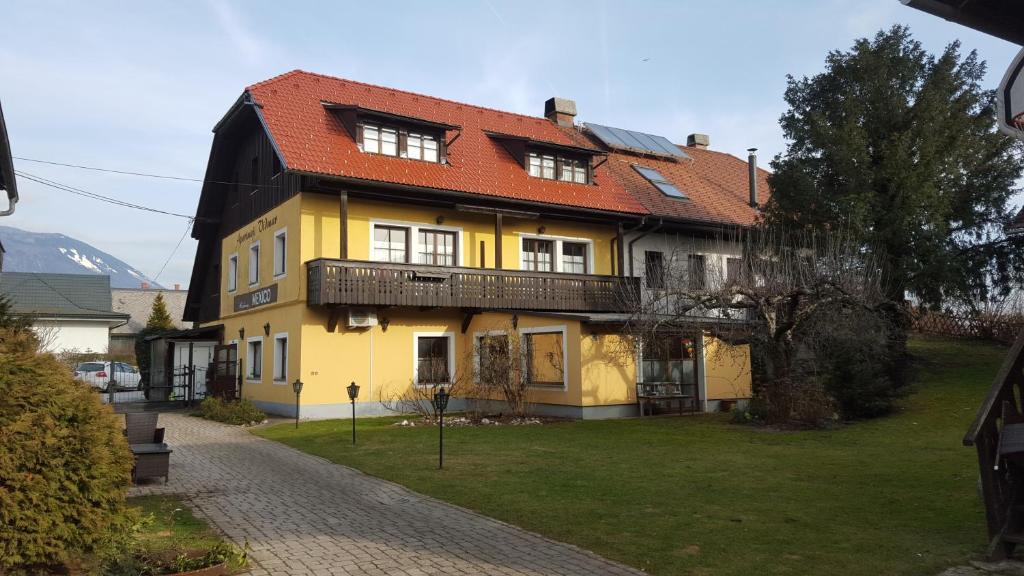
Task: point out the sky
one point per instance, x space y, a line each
138 86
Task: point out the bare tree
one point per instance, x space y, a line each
784 294
510 365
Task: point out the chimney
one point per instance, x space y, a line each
561 111
698 141
177 286
752 176
145 285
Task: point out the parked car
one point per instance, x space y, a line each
97 374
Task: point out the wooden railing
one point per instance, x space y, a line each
356 282
997 481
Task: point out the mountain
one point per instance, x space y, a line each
57 253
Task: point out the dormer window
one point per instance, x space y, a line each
421 147
551 167
380 140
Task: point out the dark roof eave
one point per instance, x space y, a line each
1005 21
8 181
546 144
359 110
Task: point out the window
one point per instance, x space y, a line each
659 181
545 358
281 358
733 268
433 359
698 272
574 257
421 147
390 244
654 270
232 272
437 248
670 362
537 254
552 167
254 264
280 252
379 140
254 359
494 359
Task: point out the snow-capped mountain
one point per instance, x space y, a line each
57 253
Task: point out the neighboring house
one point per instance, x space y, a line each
7 180
137 303
70 312
390 238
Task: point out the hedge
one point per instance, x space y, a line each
64 463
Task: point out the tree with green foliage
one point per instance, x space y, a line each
159 318
900 148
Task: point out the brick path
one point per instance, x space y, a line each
304 515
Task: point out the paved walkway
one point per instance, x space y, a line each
303 515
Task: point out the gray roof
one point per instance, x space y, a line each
138 304
58 295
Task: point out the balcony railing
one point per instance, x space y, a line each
356 282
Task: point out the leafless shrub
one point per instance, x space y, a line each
786 294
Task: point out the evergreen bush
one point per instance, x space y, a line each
64 463
238 412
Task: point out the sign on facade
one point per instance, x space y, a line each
256 298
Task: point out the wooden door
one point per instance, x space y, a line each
223 373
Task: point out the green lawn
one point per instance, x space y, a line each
699 495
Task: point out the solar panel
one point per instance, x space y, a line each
659 181
633 141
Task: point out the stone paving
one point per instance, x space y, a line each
302 515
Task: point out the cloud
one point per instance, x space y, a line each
248 45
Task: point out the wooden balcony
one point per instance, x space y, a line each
356 282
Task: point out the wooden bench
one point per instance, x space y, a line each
650 393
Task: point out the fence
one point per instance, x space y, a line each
121 384
998 329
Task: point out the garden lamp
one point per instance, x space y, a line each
353 393
440 403
297 387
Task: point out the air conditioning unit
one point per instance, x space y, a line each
361 318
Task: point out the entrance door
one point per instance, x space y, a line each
223 383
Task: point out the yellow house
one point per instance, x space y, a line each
353 233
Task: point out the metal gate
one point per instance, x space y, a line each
178 392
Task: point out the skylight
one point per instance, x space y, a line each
659 181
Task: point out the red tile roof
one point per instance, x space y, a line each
716 184
313 139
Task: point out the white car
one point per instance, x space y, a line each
97 374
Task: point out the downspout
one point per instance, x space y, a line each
661 222
619 243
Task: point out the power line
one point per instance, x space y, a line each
130 173
173 252
94 196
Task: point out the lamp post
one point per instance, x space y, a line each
441 403
297 387
353 392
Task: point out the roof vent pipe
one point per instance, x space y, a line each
752 177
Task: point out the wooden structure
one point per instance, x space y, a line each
355 282
1002 475
650 393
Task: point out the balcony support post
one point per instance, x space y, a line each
343 225
497 241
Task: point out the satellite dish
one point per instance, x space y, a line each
1010 99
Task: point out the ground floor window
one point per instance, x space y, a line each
281 358
544 357
670 362
433 359
494 359
254 359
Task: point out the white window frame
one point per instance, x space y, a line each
476 349
557 255
259 253
415 355
282 233
248 359
414 240
565 354
278 337
232 274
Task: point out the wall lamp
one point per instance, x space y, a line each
241 333
440 219
266 329
384 324
542 229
